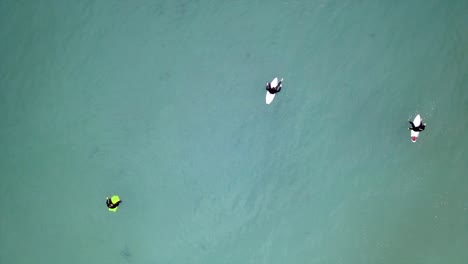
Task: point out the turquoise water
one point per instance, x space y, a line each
162 102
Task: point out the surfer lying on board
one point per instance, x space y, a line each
419 128
113 202
276 89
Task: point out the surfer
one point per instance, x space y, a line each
419 128
113 202
275 89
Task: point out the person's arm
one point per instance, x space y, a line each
267 86
412 125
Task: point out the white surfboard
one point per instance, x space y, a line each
269 96
415 134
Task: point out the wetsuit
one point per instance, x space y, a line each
111 205
273 90
419 128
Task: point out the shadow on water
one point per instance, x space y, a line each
125 253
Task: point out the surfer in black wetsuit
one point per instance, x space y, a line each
419 128
274 90
113 202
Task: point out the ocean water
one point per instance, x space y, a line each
162 103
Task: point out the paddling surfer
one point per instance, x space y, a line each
419 128
275 89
